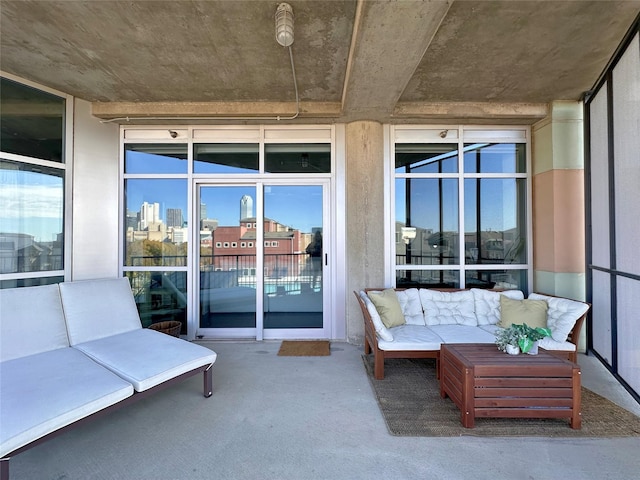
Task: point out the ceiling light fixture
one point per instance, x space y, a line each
284 25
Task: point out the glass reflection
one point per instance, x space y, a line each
226 158
495 158
228 275
428 278
298 158
155 222
155 158
160 297
31 218
506 279
427 222
495 216
32 122
427 158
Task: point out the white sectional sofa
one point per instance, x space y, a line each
432 317
74 350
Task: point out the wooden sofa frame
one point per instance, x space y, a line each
379 355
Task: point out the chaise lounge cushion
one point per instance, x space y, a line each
143 357
44 392
146 358
98 308
31 321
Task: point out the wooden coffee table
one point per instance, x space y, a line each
485 382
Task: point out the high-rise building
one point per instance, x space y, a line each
174 217
149 213
246 207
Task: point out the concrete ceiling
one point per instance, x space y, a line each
390 61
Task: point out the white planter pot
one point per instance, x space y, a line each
534 349
513 349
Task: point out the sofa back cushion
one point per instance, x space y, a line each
528 311
411 307
487 304
448 308
382 331
561 315
98 308
388 307
31 321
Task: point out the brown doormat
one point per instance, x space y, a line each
304 348
410 402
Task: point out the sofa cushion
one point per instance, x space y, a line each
548 343
98 308
487 304
382 331
448 308
412 337
531 312
31 321
146 358
462 334
561 315
388 307
44 392
411 307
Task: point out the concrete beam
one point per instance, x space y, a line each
110 110
389 40
527 112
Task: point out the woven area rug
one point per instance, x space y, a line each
304 348
409 398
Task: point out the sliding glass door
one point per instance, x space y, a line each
263 265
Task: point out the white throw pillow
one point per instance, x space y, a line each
382 331
487 304
562 314
448 308
411 307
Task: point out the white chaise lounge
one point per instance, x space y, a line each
72 351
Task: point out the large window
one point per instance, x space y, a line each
32 185
155 229
178 237
460 208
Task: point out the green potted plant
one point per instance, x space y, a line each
520 336
507 340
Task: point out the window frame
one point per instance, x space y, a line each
65 166
447 134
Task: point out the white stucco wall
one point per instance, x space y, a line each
95 196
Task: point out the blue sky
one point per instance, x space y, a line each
296 206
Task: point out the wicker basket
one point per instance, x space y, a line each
170 328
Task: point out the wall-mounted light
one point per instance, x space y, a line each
284 25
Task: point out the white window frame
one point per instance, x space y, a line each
460 134
65 166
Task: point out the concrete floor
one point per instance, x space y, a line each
307 418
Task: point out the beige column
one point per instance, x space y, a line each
558 202
364 178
